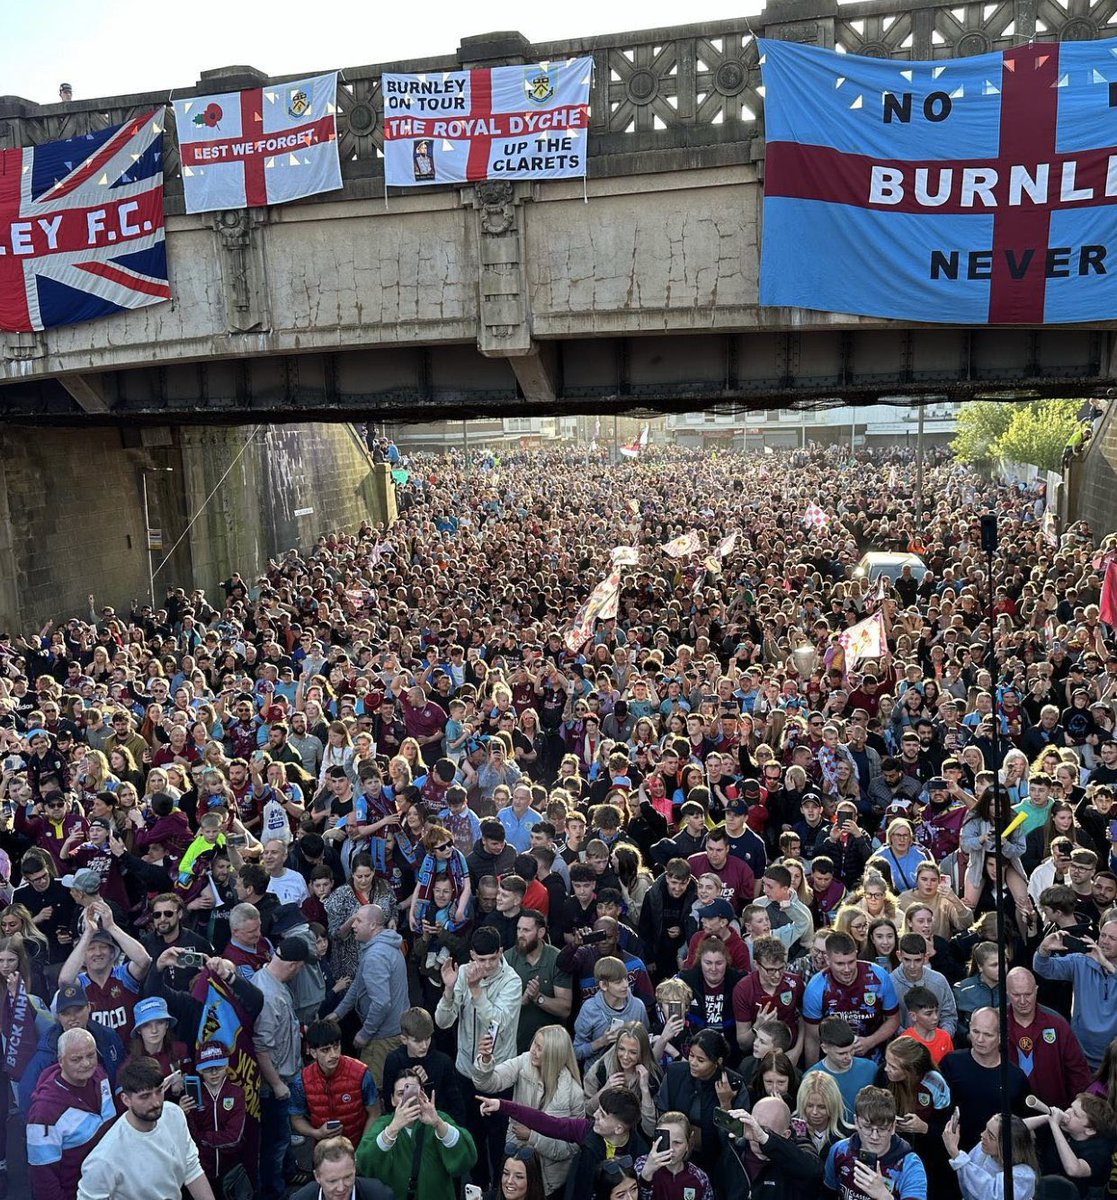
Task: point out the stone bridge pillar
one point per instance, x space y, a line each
498 224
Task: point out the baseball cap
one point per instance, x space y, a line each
293 949
737 807
717 908
70 995
85 880
750 787
211 1054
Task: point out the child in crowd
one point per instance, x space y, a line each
836 1038
923 1009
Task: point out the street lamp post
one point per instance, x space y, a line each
989 545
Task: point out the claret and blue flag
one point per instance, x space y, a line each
81 226
968 191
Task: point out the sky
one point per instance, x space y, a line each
116 47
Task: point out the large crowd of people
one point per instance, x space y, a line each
393 873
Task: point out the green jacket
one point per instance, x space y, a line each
438 1167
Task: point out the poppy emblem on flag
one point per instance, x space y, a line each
298 103
540 87
1049 1036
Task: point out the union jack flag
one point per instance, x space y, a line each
81 227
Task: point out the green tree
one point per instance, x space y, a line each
1038 433
980 424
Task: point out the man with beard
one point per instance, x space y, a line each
548 991
166 918
940 826
149 1151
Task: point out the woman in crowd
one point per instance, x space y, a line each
521 1175
700 1085
819 1111
545 1077
923 1102
629 1062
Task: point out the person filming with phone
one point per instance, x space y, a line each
772 1162
875 1162
666 1172
1092 971
416 1150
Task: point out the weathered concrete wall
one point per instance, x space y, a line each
1091 487
71 508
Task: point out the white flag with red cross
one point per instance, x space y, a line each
265 145
521 122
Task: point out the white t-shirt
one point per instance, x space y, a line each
129 1165
290 887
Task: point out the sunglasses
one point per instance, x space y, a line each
612 1167
525 1154
165 912
443 846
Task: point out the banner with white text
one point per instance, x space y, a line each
524 122
969 191
265 145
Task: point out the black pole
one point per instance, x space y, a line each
989 545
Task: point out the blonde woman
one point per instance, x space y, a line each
545 1077
630 1063
799 884
854 921
818 1113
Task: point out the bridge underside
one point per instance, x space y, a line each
669 373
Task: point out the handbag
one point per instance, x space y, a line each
416 1155
235 1184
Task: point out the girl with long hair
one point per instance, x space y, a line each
882 945
521 1175
923 1101
819 1110
629 1062
545 1077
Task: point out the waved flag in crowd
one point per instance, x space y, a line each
815 517
83 222
264 145
727 544
864 640
1108 602
1051 529
625 556
684 544
521 122
638 443
601 606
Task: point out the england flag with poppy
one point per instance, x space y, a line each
264 145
